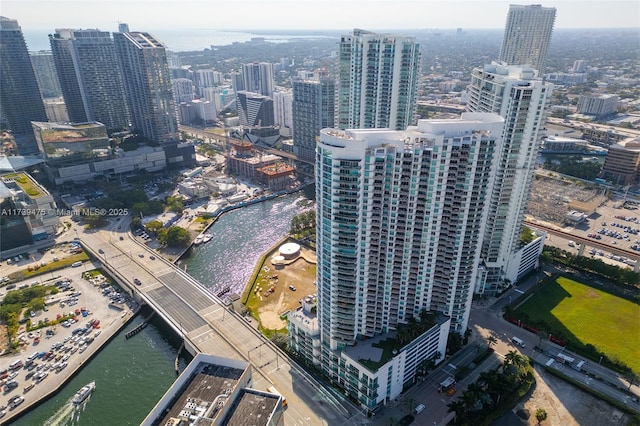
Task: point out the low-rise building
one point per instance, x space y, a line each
26 202
622 164
214 390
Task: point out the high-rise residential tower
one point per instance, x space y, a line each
90 77
147 84
522 99
20 101
399 231
258 78
46 75
313 110
527 35
377 83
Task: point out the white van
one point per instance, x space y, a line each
517 341
418 409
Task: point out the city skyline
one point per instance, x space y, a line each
296 15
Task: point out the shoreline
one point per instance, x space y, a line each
112 323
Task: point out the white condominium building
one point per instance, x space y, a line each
400 219
377 83
522 99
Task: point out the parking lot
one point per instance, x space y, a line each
75 322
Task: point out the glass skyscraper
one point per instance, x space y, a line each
147 84
20 100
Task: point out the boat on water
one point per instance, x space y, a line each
198 240
83 393
206 237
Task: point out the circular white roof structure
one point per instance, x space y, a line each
289 249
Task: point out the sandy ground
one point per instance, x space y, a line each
283 298
567 406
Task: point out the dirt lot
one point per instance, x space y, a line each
269 305
567 406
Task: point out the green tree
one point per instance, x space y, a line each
491 340
154 226
541 415
175 236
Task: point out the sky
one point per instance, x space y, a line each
148 15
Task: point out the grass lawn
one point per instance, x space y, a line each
585 315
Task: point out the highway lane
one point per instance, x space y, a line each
214 329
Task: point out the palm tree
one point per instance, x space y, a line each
491 340
458 407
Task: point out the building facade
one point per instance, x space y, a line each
377 83
258 78
622 165
90 77
45 70
522 99
527 35
282 109
399 225
313 109
147 83
20 100
598 106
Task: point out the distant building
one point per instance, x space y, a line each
216 391
244 160
258 78
282 108
255 110
566 78
314 109
45 71
377 81
599 105
622 164
527 35
20 101
182 90
579 65
558 144
56 110
143 61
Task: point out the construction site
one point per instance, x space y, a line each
558 199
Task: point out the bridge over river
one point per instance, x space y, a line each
207 326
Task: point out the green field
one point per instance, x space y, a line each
583 315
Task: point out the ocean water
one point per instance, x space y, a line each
190 40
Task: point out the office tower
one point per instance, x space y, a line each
258 78
90 77
255 110
522 99
377 84
400 216
282 110
46 75
147 85
313 110
20 101
527 35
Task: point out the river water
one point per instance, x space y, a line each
132 375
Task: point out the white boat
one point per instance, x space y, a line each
206 238
83 393
198 240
